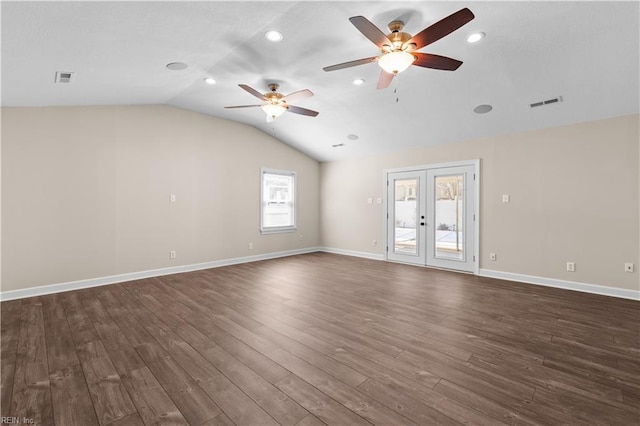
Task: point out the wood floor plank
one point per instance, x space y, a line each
7 370
235 403
498 386
110 398
220 420
321 339
72 404
346 395
282 408
9 334
408 406
318 403
541 376
151 400
329 365
131 420
310 420
9 329
195 405
495 409
427 376
31 394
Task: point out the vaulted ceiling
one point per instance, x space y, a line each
587 53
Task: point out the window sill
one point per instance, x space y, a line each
283 230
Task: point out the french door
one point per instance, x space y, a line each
431 217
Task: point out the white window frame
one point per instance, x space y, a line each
278 229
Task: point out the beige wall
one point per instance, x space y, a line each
85 192
574 197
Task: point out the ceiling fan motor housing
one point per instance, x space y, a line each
397 37
274 97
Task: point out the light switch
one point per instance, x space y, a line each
379 200
369 200
505 198
172 198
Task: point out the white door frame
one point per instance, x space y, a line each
476 203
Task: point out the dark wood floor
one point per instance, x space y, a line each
321 338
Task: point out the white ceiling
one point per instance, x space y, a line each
586 52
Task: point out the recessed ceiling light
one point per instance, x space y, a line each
475 37
482 109
209 80
353 137
358 81
274 36
177 66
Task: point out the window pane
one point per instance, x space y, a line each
450 217
405 215
278 200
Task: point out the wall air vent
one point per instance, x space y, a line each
64 77
547 102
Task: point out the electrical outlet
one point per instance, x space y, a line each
172 254
628 267
493 256
571 266
172 198
250 246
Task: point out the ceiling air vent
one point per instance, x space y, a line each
64 77
547 102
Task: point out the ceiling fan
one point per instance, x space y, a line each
274 103
399 49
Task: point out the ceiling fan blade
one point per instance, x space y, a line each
302 111
441 28
300 94
254 92
385 79
370 31
243 106
436 62
351 64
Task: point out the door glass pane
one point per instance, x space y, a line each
449 218
405 205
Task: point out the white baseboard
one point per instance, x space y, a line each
113 279
567 285
354 253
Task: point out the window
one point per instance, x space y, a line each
278 207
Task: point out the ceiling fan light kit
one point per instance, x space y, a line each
399 49
273 110
396 62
